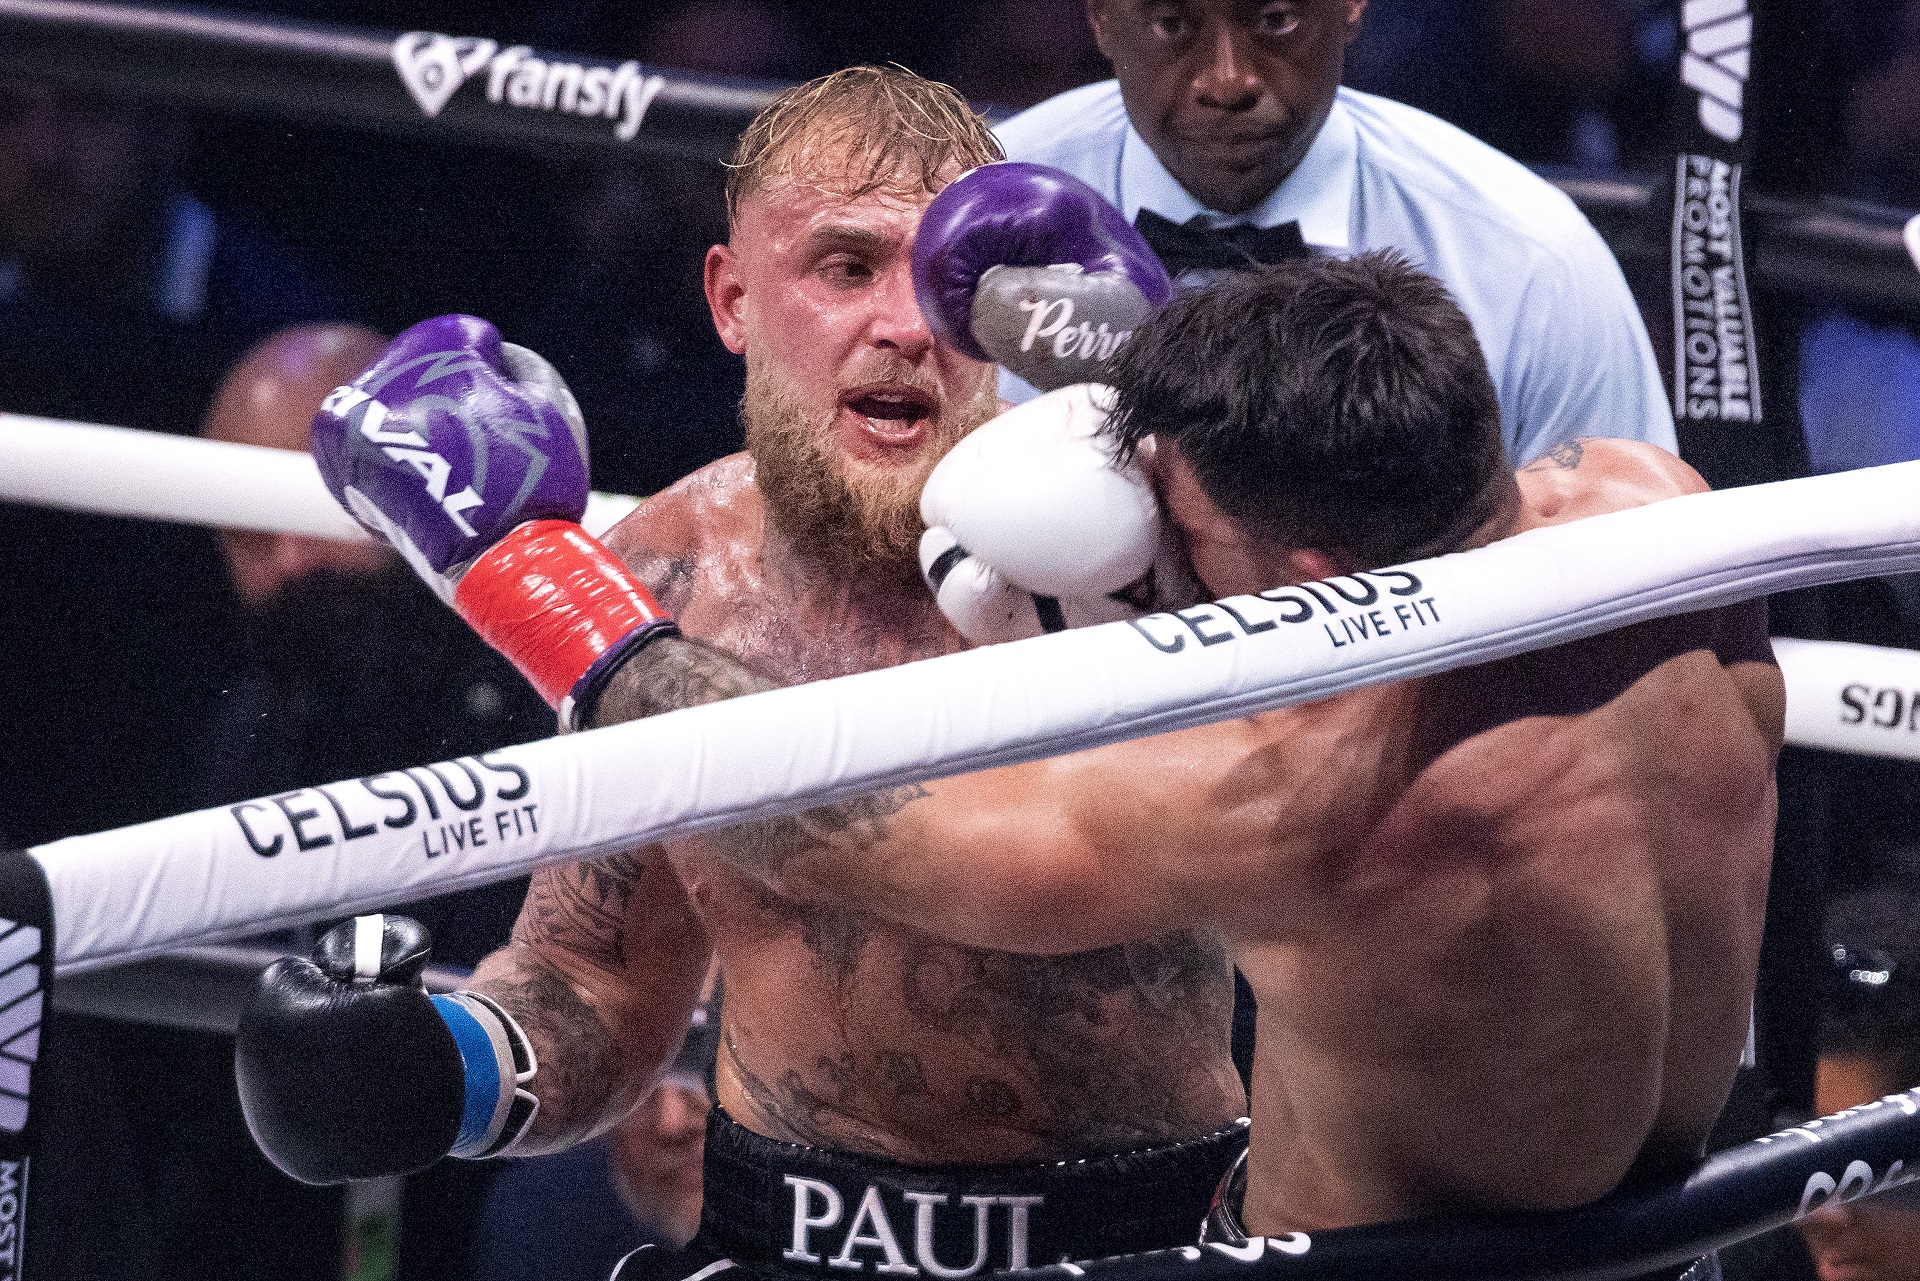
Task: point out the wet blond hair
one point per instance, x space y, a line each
865 128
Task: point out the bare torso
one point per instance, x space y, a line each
846 1030
1503 923
1522 968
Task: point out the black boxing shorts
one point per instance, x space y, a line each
1224 1227
798 1213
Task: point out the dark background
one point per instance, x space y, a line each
127 663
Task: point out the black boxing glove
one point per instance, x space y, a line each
348 1069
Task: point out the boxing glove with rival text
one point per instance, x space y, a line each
469 456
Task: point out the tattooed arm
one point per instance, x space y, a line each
1060 855
676 672
606 961
603 970
671 673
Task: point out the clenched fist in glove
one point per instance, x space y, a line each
469 456
348 1070
1026 265
1034 526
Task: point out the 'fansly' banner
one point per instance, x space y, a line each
1716 375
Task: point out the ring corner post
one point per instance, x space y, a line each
26 982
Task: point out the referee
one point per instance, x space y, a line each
1227 139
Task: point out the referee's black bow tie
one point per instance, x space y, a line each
1193 245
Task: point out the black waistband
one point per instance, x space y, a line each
792 1208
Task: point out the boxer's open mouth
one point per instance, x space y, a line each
891 414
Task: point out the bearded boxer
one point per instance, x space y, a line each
886 1100
1502 923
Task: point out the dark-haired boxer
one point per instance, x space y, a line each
887 1101
1502 923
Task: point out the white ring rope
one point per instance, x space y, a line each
149 475
1859 699
1912 235
121 471
342 848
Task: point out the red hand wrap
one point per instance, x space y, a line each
556 602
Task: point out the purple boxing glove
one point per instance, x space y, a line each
1026 265
450 440
469 456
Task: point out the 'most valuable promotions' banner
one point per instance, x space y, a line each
1716 375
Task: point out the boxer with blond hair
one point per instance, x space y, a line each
886 1099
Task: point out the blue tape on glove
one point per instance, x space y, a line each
482 1071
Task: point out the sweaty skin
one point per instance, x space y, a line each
1502 923
849 1030
839 1027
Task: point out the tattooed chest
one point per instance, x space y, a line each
909 1037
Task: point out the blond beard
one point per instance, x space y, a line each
855 515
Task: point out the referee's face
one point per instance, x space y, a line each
1228 93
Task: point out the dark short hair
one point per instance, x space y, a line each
1341 405
1873 972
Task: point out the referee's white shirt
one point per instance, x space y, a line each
1563 339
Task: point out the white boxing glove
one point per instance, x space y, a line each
1032 526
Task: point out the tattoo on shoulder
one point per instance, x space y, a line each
669 578
1565 456
672 582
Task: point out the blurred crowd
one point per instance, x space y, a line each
218 275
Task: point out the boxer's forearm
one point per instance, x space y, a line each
603 970
670 673
580 1079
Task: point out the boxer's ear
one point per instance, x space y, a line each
726 295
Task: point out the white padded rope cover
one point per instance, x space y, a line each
149 475
345 847
1860 699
